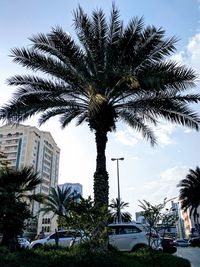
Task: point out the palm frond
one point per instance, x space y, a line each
115 27
83 28
189 192
166 76
135 122
36 61
99 30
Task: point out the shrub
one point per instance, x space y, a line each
86 257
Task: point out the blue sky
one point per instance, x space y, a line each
146 173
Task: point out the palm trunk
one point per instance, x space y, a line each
101 186
9 238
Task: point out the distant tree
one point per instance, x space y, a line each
91 219
16 193
155 215
59 202
189 194
118 207
113 73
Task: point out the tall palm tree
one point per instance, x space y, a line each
59 202
116 208
113 73
16 193
190 193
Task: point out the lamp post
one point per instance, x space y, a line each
119 213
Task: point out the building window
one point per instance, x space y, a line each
45 189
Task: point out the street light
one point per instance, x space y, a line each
119 213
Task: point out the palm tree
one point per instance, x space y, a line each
116 208
16 193
113 73
190 193
59 201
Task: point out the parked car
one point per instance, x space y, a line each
168 245
65 239
127 237
195 241
23 242
182 243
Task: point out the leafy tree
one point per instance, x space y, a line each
154 215
116 208
113 73
16 193
59 202
189 194
92 220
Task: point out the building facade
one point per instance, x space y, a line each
192 227
180 227
76 188
28 146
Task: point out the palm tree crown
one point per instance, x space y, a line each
190 192
58 202
117 206
112 73
19 184
16 192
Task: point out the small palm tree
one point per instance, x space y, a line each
16 193
190 193
117 215
115 73
59 202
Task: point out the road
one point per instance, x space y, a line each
190 253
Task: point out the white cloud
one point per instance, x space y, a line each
132 188
165 186
163 133
134 158
128 137
191 54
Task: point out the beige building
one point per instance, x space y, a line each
27 146
191 229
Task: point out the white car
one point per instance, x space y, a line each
23 242
127 236
65 239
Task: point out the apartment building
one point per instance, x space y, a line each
28 146
191 226
76 188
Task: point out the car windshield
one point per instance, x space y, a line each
22 240
66 234
123 229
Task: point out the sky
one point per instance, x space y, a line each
147 172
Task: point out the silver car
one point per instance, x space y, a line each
127 237
65 239
23 242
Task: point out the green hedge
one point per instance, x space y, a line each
80 257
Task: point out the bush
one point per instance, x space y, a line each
87 257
